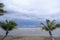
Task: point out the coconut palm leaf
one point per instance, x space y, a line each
58 25
2 11
45 28
7 26
47 22
50 26
1 5
42 24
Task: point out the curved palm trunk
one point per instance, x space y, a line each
5 35
51 37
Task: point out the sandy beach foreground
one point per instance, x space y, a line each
30 34
29 38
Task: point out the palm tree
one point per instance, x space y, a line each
2 11
58 25
50 26
7 26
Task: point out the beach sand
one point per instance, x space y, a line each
28 38
30 34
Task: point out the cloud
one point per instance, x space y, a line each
43 7
33 9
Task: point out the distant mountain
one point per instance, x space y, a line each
27 23
24 23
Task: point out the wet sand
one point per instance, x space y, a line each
29 38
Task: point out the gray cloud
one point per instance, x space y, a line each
32 9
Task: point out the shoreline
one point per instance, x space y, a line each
31 32
29 38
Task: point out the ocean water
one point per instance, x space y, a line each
23 20
31 32
27 27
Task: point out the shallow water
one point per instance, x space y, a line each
31 32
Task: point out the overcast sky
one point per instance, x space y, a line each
35 9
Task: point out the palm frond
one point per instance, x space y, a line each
2 11
58 25
42 24
8 25
1 5
53 28
47 22
45 28
50 25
